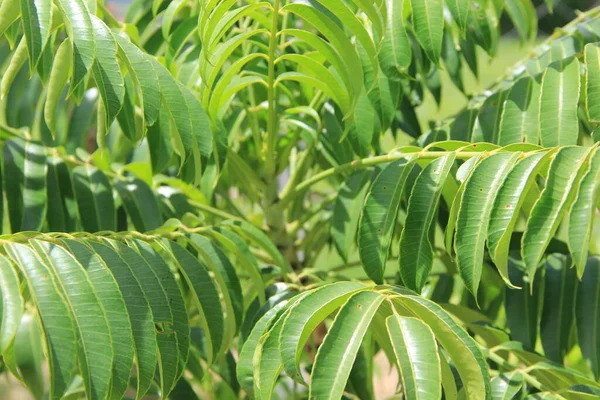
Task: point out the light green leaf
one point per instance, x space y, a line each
378 217
428 21
559 97
417 353
336 355
473 216
416 247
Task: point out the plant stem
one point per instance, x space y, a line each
290 192
272 130
214 211
531 380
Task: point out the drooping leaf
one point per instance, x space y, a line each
428 21
418 358
473 217
506 386
587 312
395 54
12 303
416 249
592 81
94 199
337 353
346 211
305 315
379 217
37 20
560 290
549 210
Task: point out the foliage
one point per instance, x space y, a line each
174 184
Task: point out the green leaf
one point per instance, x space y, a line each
460 11
227 280
346 211
12 303
16 63
524 17
24 358
55 317
245 367
145 76
62 209
592 81
417 353
164 320
338 351
521 113
9 12
522 306
587 314
81 32
139 312
378 217
25 182
141 204
582 212
37 21
463 350
106 71
61 70
559 97
509 201
205 296
180 325
428 23
416 247
89 316
105 286
94 199
304 316
267 361
560 289
395 54
473 216
550 208
507 385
